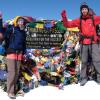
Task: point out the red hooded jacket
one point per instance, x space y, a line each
87 27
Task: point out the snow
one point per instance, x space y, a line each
91 91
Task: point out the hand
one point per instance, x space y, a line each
1 36
63 13
0 14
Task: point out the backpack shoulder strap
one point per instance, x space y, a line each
92 17
80 24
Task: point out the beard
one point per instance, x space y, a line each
85 13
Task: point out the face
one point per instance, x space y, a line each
84 11
20 22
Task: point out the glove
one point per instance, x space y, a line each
63 13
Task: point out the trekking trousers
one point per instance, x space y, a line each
89 51
13 67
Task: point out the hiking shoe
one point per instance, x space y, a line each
97 81
83 82
11 96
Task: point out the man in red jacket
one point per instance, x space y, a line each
88 40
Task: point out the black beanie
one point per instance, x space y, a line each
84 6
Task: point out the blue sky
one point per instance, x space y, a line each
47 9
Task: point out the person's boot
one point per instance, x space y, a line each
11 96
98 79
83 82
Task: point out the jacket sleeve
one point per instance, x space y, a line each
72 23
24 44
97 20
8 31
1 27
9 28
24 48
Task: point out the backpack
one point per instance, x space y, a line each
98 29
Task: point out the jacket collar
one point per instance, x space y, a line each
86 17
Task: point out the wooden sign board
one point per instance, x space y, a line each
43 38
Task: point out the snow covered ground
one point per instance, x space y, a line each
91 91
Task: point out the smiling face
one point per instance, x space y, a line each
84 11
20 22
